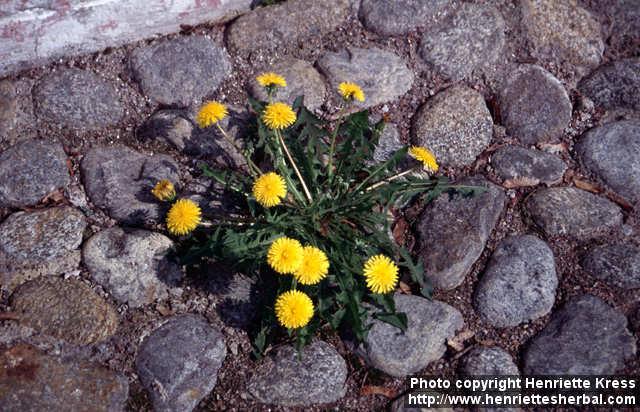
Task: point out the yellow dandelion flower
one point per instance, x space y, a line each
314 268
278 115
164 190
425 156
381 274
351 91
294 309
211 113
285 255
271 79
183 217
269 189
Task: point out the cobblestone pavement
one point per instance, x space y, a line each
538 100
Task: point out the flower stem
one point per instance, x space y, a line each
389 179
295 167
253 168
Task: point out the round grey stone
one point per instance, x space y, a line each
286 24
585 337
30 170
534 105
453 230
317 376
567 211
527 167
39 243
483 361
561 30
612 152
65 309
302 80
132 265
519 283
179 128
615 84
382 75
180 71
178 362
78 99
119 181
616 264
34 381
455 124
396 17
388 143
469 38
430 324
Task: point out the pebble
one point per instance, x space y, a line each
430 324
180 71
302 80
616 264
493 361
534 105
612 152
453 230
519 283
382 75
178 362
238 294
119 181
30 170
398 17
65 309
585 337
132 265
39 243
567 211
455 125
33 381
518 166
561 30
285 25
78 99
316 376
614 85
471 37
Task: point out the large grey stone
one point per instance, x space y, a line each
615 84
180 71
469 38
585 337
453 230
178 362
119 181
37 243
519 283
302 80
396 17
30 170
616 264
561 30
286 24
66 309
567 211
388 143
132 265
36 32
455 124
534 105
518 166
430 324
33 381
612 152
316 376
77 99
382 75
493 361
8 107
